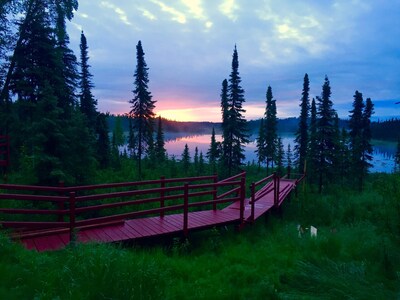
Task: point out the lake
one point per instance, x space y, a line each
383 156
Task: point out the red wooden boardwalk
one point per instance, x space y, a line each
228 206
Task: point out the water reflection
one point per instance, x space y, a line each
383 156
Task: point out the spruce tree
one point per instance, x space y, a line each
301 141
185 160
142 107
313 142
235 135
131 139
367 149
280 156
103 141
196 160
289 160
260 144
87 101
201 164
360 137
213 152
271 125
226 138
325 135
118 131
397 156
67 98
160 151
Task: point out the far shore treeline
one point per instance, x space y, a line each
381 130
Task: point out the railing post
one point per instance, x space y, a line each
276 191
278 183
61 203
162 195
215 192
253 200
185 209
242 197
72 237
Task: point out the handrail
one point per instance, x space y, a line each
255 198
240 175
157 194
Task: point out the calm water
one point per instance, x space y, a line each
175 143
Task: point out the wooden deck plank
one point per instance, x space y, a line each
94 236
130 231
129 234
168 222
56 242
29 244
43 243
156 225
83 237
114 234
135 224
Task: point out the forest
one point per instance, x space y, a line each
57 136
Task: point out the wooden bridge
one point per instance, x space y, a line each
49 218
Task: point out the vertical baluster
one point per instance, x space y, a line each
185 209
162 196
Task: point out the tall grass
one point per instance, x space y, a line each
355 256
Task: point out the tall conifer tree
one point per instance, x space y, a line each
260 151
325 134
87 101
142 107
313 141
213 152
235 135
160 151
271 123
397 156
301 141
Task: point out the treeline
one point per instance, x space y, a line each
386 130
169 125
46 104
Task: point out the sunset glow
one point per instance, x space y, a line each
211 114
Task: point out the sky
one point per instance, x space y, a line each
188 47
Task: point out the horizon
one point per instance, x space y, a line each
188 48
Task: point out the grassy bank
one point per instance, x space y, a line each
355 256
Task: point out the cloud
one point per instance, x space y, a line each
147 14
121 13
177 16
228 8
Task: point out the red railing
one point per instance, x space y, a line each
83 210
270 184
